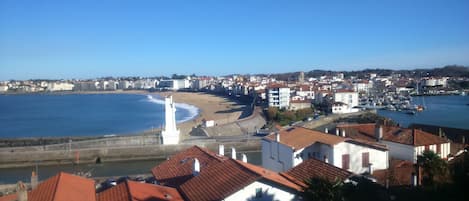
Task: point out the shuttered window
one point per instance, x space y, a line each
365 159
438 148
427 147
346 161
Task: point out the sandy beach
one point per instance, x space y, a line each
211 107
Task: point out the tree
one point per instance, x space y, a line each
434 167
272 113
319 189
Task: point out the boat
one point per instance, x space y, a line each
410 112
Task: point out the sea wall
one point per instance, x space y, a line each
106 150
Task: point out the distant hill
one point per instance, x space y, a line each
446 71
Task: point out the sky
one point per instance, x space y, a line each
66 39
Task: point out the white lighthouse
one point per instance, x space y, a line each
170 134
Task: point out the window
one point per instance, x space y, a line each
346 161
438 148
258 192
427 147
365 159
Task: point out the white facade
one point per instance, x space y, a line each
349 98
279 157
170 134
410 153
378 158
279 97
62 86
363 87
261 191
3 88
175 84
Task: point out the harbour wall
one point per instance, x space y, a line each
113 149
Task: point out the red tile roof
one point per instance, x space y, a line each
398 174
178 168
63 187
313 168
135 191
299 137
224 179
218 178
413 137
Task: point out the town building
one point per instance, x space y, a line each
289 148
136 191
61 187
278 96
60 86
403 143
345 101
200 174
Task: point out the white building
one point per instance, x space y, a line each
170 134
345 101
175 84
403 144
3 88
305 91
278 96
363 86
291 147
60 86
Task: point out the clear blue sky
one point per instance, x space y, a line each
86 39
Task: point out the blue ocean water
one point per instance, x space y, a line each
445 111
45 115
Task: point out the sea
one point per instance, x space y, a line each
57 115
445 111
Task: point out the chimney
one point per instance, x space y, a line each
370 168
337 131
413 179
245 158
277 137
233 153
221 150
196 169
440 132
343 132
326 130
378 132
21 191
33 180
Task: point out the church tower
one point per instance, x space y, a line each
170 134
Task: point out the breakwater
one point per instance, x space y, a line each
125 148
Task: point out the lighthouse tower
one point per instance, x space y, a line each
170 134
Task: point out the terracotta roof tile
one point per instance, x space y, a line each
398 174
224 179
218 178
299 137
63 187
178 168
392 133
313 168
135 191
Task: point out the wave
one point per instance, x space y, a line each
192 110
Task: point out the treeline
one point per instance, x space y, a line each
284 117
446 71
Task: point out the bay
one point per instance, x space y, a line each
445 111
53 115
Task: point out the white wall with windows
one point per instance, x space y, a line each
263 191
354 156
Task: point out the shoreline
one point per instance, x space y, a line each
209 107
